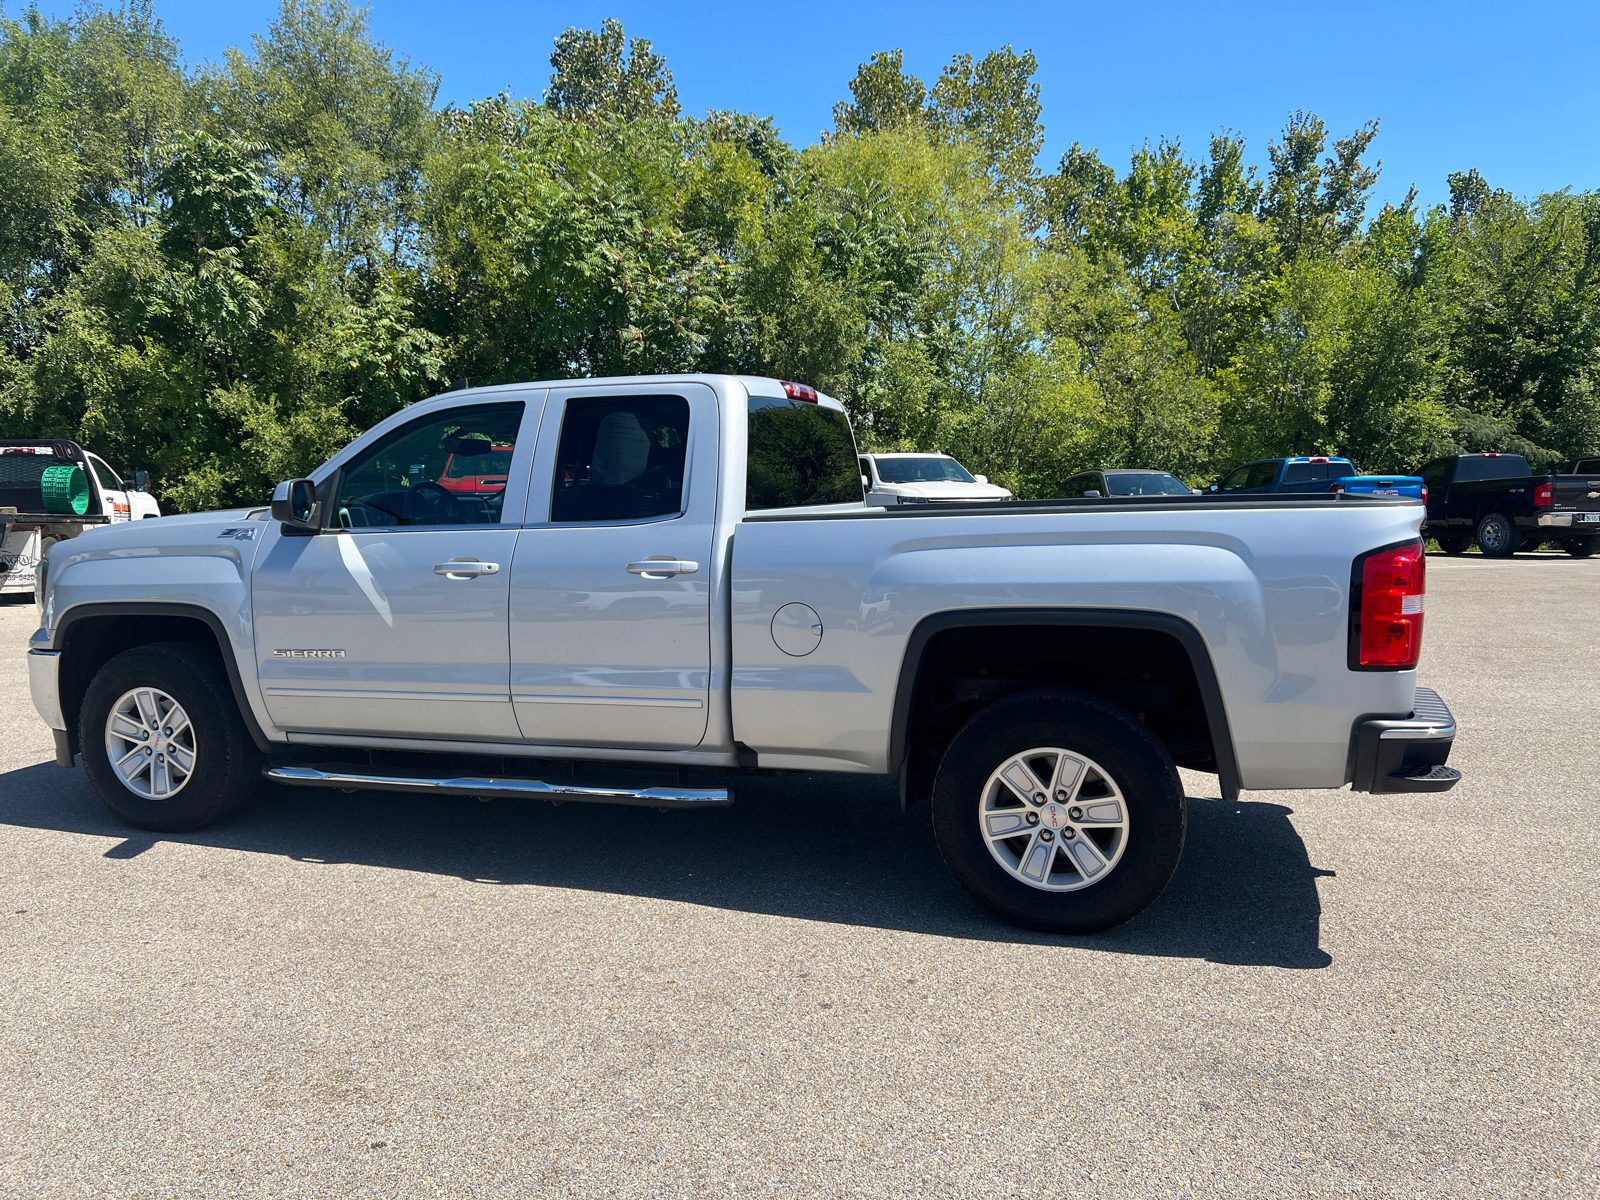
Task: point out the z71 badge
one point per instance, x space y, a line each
242 533
308 654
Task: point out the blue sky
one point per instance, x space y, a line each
1510 89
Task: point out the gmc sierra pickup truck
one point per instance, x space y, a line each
679 574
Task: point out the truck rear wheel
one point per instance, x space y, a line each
1059 811
162 739
1581 547
1455 545
1498 536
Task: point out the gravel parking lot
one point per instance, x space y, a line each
384 996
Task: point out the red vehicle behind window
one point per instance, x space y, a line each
478 473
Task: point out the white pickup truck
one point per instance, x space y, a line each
679 573
30 525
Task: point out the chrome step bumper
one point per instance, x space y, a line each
496 786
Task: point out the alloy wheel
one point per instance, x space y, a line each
150 743
1053 819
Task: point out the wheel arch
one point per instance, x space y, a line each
89 635
909 726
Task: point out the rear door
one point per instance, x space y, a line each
610 586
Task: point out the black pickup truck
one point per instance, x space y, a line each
1496 501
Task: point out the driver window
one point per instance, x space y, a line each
107 477
449 468
1238 479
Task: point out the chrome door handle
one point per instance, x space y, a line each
662 567
465 568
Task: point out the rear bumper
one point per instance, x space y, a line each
1568 520
1389 754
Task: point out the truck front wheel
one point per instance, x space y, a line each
162 739
1498 536
1059 811
1454 545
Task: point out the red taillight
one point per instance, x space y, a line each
1336 489
1386 602
1424 493
800 391
1544 495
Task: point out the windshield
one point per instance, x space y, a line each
800 454
922 470
1146 483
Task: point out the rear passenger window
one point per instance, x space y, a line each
1300 472
621 459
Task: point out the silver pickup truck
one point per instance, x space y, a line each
633 590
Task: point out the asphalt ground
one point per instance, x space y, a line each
370 995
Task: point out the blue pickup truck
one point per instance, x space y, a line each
1317 473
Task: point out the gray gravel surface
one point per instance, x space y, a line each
385 996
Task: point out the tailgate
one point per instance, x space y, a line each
1576 492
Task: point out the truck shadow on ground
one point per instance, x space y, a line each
815 847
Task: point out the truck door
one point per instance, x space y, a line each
391 621
113 492
1252 477
611 584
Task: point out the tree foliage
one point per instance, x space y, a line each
222 274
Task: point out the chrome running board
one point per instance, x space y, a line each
498 786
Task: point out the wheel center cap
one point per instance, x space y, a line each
1053 816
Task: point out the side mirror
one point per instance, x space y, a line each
141 481
866 483
1212 488
294 502
981 478
1198 492
1092 492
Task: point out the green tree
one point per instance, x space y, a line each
601 74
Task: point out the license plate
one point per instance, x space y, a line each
1589 518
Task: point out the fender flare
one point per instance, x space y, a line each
150 608
1187 636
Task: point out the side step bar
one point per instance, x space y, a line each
498 786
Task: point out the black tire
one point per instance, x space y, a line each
1581 547
1455 545
1156 814
227 765
1498 536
